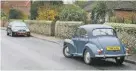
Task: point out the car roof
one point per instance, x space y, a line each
90 27
17 23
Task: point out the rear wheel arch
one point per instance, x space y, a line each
84 50
89 49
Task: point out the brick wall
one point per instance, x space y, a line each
23 6
125 14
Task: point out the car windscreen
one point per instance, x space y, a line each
103 32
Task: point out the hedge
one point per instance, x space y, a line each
127 34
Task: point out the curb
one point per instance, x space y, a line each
2 28
46 39
130 61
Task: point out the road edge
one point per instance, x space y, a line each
130 61
44 39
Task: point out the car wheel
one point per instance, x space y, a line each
66 52
28 35
119 60
7 33
12 34
87 57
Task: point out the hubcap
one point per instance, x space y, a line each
87 57
67 51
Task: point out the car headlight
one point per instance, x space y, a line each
27 30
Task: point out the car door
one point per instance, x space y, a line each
75 38
83 39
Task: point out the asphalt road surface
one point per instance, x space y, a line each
29 53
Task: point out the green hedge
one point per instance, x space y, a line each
127 33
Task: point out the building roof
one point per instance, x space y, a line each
123 5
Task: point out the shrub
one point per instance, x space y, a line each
72 13
127 21
46 14
3 14
15 14
113 19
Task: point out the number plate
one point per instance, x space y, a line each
22 32
113 48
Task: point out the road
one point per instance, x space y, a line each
29 53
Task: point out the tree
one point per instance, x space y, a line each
72 13
3 14
46 14
15 14
49 10
33 10
99 12
81 3
35 6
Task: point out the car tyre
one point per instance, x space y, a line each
28 35
119 61
66 52
12 34
87 57
7 33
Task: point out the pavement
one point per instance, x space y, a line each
131 59
34 53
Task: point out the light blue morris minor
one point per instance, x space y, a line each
95 42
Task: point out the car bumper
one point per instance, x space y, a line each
20 33
106 55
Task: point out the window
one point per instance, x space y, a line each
102 32
83 32
77 33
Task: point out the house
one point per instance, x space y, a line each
22 5
125 10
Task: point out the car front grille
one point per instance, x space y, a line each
22 30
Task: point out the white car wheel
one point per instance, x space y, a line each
87 57
66 52
10 33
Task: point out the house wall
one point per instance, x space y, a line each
125 14
23 6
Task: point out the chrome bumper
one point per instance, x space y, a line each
106 55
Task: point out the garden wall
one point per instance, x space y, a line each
65 29
40 27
